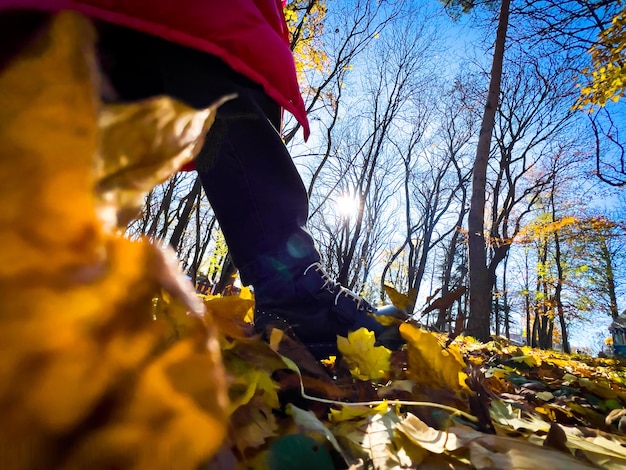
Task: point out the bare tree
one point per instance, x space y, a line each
570 28
349 29
531 125
362 159
187 205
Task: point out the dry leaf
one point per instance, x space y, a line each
426 437
141 145
86 375
430 364
404 302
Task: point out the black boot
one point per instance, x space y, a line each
311 305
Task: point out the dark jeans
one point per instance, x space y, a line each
246 171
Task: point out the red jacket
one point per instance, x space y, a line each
249 35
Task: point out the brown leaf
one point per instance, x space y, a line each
141 145
556 438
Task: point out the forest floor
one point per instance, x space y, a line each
435 403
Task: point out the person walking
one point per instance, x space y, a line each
197 51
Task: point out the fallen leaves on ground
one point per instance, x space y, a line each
463 405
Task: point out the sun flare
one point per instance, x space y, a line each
347 205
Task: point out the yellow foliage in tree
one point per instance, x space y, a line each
606 78
305 19
88 378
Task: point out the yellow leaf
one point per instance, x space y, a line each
404 302
91 378
276 336
255 382
530 361
246 293
431 365
143 144
366 361
350 412
174 314
228 314
169 393
49 134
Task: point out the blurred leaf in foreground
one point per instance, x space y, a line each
87 377
141 145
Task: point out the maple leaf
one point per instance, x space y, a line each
254 424
228 314
251 382
366 361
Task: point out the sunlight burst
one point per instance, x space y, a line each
347 205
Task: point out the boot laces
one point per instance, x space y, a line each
337 289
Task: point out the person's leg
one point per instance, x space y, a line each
247 173
261 203
252 184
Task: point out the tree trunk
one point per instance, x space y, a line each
527 299
444 313
480 309
495 297
505 302
607 258
559 281
544 321
227 277
164 207
557 295
185 215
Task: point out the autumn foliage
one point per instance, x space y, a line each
606 78
110 360
88 377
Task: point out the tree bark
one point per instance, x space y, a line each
478 324
607 258
559 281
227 277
